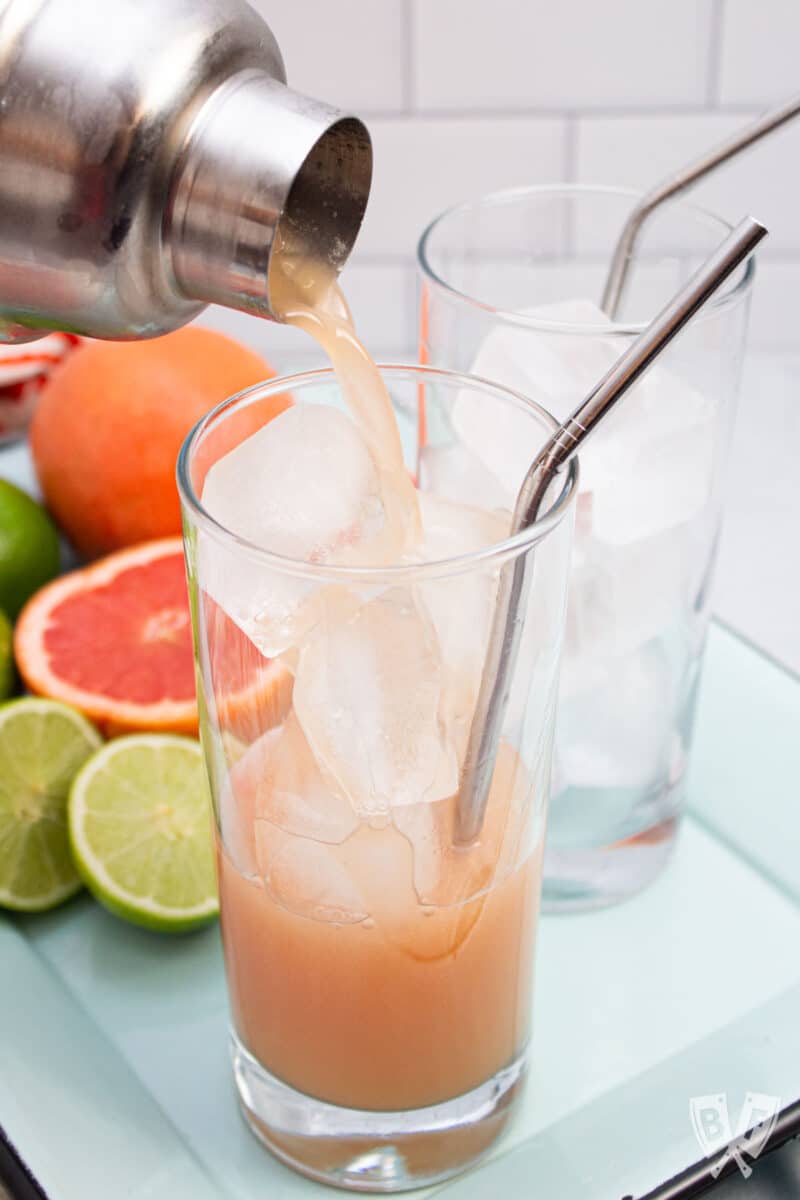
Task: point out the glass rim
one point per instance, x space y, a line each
727 296
496 552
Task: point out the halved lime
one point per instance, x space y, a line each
42 745
140 833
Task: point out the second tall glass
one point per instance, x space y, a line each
511 288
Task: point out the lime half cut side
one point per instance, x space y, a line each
43 744
140 832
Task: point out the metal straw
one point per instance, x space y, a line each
504 637
678 182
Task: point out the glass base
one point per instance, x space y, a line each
374 1151
579 879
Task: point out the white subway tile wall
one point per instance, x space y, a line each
759 43
765 181
425 166
467 96
574 54
349 52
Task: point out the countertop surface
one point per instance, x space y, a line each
114 1079
111 1030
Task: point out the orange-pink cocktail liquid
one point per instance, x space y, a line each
418 990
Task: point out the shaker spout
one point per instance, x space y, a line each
263 167
152 160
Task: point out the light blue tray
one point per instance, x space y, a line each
114 1079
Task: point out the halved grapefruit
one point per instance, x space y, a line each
114 640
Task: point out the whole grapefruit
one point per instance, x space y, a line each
110 422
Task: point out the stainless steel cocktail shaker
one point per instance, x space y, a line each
150 154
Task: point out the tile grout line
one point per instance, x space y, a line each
411 338
570 148
540 113
407 50
714 57
785 256
570 159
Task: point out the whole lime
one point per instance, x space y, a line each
8 678
29 555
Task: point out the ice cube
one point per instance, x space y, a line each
367 693
451 529
618 733
653 468
277 780
250 693
305 487
460 605
290 791
455 473
621 596
272 607
446 874
647 473
504 439
650 464
367 877
554 369
307 878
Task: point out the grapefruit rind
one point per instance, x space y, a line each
138 783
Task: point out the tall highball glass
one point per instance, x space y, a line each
379 972
511 287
